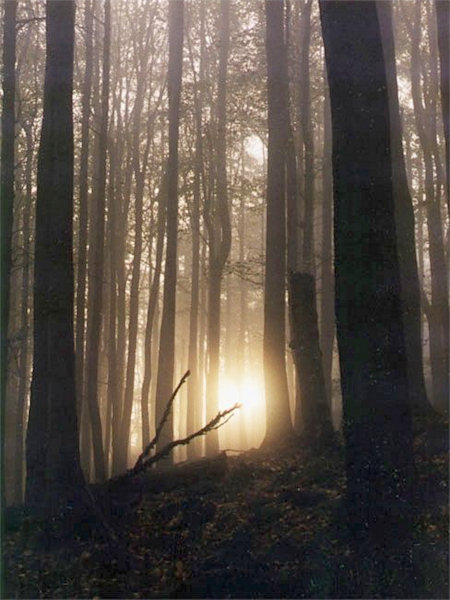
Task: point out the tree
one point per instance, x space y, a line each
166 356
53 462
438 310
443 35
404 222
194 406
277 396
217 220
97 268
7 182
373 359
83 207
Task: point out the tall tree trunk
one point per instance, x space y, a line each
219 230
7 200
438 315
443 36
377 421
315 414
327 325
308 140
279 424
151 313
97 266
83 210
404 221
24 365
135 281
194 398
53 462
166 355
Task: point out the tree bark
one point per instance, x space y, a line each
219 232
315 418
308 140
97 266
404 221
83 209
7 199
327 324
438 315
166 355
279 424
53 463
24 363
377 420
443 35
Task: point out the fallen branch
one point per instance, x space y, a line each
215 423
161 424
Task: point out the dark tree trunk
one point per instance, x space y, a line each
24 364
139 172
7 197
279 424
219 233
308 140
151 314
315 417
194 409
97 266
166 355
373 359
53 462
327 325
404 221
83 210
443 35
438 314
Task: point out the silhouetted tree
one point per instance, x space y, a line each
404 221
443 36
166 356
217 220
53 462
277 395
7 193
377 423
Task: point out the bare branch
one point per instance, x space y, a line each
215 423
162 422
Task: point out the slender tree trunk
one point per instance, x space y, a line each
53 462
438 315
327 325
24 363
377 421
219 230
167 336
97 266
134 299
404 219
308 140
151 313
443 36
7 200
83 210
243 301
279 424
315 414
194 398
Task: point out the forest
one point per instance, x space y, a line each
225 252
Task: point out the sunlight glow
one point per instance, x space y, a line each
249 421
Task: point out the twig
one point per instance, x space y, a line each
162 422
215 423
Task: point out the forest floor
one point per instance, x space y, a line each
263 524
